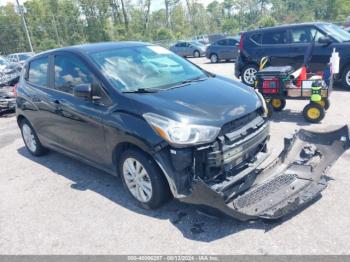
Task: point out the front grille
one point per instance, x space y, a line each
238 123
263 191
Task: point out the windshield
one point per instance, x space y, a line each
336 32
144 67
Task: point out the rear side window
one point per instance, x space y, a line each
275 37
256 38
37 73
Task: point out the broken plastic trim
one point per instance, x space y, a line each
293 179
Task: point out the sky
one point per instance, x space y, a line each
156 4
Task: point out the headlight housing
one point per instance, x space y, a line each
179 133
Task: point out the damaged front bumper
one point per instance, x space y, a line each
272 190
7 104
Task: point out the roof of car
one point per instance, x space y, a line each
95 47
286 26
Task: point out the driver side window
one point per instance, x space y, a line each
69 71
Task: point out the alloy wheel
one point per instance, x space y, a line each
29 137
249 75
137 180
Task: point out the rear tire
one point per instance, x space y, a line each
143 179
31 140
325 103
249 74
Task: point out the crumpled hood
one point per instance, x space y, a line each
214 101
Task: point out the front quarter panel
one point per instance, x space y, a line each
123 127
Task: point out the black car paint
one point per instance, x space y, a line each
291 53
94 133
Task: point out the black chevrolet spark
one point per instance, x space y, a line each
167 127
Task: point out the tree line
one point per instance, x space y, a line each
55 23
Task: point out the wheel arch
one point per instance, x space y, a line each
342 70
20 118
123 146
214 53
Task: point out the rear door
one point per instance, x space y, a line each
276 45
38 107
180 49
78 126
220 48
232 48
188 49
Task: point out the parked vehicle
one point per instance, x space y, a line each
7 99
9 72
19 57
184 133
287 44
224 49
185 49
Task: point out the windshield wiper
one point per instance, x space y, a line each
187 82
142 90
194 80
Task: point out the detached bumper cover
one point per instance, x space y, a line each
295 178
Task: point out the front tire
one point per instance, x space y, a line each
143 179
31 140
196 54
249 74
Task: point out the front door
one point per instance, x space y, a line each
79 128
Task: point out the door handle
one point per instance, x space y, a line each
56 101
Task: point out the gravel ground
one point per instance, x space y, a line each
56 205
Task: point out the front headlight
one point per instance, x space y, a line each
180 134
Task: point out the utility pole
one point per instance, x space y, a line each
56 31
25 26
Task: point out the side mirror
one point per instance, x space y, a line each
325 40
83 91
